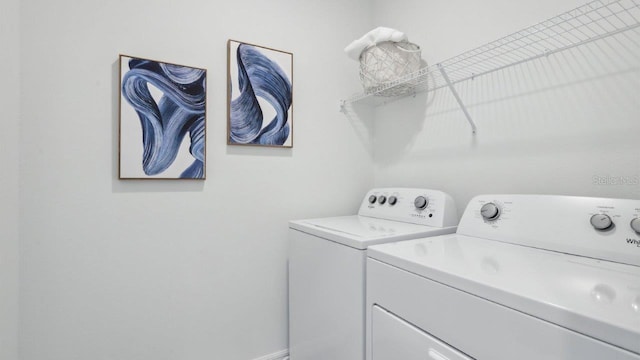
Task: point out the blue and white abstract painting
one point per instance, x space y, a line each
162 120
259 96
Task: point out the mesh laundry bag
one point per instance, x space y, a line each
386 62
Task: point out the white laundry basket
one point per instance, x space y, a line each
387 62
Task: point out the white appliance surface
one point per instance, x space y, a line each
397 339
560 223
569 262
327 266
593 297
361 232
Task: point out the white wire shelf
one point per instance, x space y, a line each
592 21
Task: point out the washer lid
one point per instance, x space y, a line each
360 231
597 298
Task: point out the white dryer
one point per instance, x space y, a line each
525 277
327 259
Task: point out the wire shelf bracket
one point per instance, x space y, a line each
587 23
457 97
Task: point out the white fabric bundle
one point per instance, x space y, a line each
373 37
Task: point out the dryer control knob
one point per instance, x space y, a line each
635 225
601 222
490 211
372 199
421 202
382 199
392 200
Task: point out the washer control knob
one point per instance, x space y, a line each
421 202
635 225
392 200
490 211
372 199
601 222
382 199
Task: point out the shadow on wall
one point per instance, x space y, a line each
400 124
360 117
407 121
259 150
409 124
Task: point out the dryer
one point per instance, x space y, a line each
327 266
525 277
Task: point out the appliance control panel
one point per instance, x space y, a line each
411 205
600 228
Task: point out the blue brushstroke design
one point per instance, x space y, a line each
180 110
259 76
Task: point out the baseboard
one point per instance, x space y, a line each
280 355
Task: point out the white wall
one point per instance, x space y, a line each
173 270
566 124
9 158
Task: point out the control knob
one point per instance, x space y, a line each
490 211
382 199
601 222
635 225
421 202
392 200
372 199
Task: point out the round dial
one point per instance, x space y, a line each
382 199
421 202
372 199
601 221
392 200
490 211
635 225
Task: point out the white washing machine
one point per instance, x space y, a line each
525 277
327 259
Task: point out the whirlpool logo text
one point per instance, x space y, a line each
633 242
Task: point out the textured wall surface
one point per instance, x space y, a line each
9 159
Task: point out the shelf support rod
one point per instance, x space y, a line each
457 97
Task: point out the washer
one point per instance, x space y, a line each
525 277
327 260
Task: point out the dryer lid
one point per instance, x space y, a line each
593 297
361 231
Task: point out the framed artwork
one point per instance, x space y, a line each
259 96
162 120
